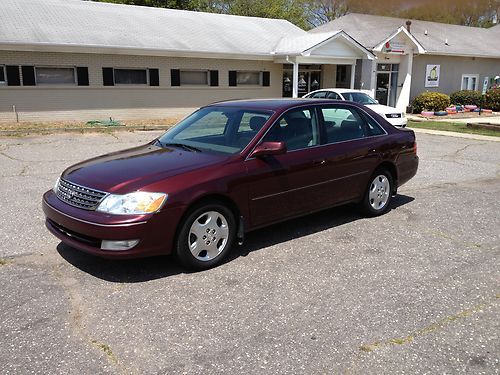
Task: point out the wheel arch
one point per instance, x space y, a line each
207 199
391 168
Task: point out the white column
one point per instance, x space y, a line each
373 78
295 80
353 74
404 97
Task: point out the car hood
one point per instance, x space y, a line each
383 109
129 170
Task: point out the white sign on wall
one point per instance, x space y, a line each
432 75
485 84
394 46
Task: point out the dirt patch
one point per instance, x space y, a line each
28 128
484 126
53 125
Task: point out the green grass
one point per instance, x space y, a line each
451 127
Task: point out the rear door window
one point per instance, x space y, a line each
342 124
333 95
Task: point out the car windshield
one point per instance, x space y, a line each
222 129
358 97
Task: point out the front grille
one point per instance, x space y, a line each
94 242
393 115
79 196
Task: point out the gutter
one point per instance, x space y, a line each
124 50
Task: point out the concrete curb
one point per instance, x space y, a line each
457 135
93 129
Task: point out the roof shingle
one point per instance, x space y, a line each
370 31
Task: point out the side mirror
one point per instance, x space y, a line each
376 101
269 148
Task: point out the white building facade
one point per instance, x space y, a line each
78 60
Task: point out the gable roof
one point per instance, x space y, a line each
371 30
306 43
72 24
404 31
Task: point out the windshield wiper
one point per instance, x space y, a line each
180 145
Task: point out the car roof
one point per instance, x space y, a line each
269 104
340 90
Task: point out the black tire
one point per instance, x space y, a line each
204 255
377 198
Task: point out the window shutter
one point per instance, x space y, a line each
28 75
232 78
82 75
107 77
154 77
266 78
13 78
214 78
175 77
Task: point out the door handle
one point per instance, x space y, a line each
319 162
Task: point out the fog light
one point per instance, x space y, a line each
118 245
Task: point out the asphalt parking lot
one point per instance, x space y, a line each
414 291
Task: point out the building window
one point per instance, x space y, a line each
55 76
470 81
248 78
3 75
194 77
130 76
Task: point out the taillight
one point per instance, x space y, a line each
415 148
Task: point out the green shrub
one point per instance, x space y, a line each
492 99
467 97
430 101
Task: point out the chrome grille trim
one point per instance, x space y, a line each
79 196
393 115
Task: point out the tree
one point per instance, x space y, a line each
173 4
311 13
324 11
294 11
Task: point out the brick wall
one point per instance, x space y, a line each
62 102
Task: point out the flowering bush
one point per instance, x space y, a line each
430 101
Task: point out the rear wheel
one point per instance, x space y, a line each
206 236
378 195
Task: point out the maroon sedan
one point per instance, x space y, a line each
227 169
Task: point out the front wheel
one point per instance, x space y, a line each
206 236
378 195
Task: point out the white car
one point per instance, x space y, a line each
391 114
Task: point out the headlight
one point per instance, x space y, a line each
403 114
137 203
56 185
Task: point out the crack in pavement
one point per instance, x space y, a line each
34 161
457 152
76 315
440 234
431 328
445 185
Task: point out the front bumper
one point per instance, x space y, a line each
398 122
85 230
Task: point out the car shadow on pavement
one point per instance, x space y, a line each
304 226
140 270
